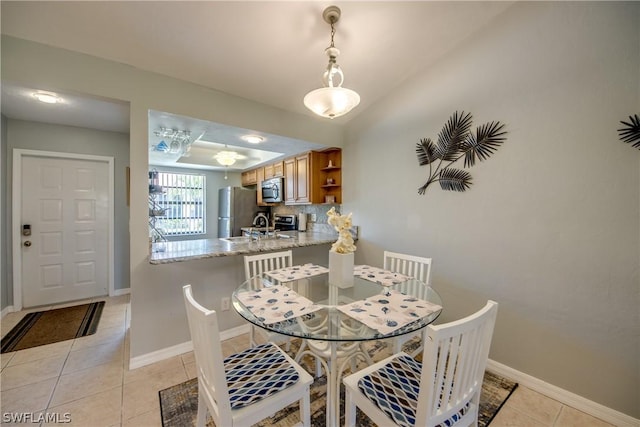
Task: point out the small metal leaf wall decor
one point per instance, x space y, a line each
456 140
631 132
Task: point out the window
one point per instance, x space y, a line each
183 201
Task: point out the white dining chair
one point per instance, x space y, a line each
247 387
416 267
442 390
255 265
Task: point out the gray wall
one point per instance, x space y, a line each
4 228
36 65
551 226
69 139
214 180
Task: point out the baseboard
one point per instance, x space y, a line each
234 332
8 309
563 396
118 292
176 350
156 356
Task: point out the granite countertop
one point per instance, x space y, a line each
187 250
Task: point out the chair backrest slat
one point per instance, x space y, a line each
409 265
255 265
454 360
203 325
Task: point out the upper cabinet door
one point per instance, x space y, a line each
268 172
303 179
290 181
249 177
278 169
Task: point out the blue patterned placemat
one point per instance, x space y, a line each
276 303
379 275
296 272
389 311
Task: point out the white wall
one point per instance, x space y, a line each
550 228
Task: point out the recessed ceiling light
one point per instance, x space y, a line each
253 139
47 97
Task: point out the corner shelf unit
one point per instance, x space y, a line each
329 176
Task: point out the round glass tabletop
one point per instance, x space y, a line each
312 308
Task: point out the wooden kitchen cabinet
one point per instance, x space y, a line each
259 179
314 177
249 177
297 179
290 181
328 178
274 170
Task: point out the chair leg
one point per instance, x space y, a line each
417 351
305 409
397 346
252 340
368 359
350 410
201 419
303 346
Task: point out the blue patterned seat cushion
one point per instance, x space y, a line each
394 389
257 373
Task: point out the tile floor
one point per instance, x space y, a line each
88 378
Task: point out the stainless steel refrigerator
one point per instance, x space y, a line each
236 208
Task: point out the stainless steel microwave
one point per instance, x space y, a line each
272 190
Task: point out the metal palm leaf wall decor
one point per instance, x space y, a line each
456 140
631 133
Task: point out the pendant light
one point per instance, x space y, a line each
332 100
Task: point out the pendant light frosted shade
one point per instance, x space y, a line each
332 100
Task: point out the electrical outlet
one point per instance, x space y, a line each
312 217
226 304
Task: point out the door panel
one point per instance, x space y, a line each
66 203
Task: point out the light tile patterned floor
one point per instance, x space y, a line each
89 379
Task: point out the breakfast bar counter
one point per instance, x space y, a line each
186 250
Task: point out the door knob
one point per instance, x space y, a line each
27 243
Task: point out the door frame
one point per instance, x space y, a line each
16 200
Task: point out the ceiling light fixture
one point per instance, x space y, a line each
332 100
47 97
253 139
227 158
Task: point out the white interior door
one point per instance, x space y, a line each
66 204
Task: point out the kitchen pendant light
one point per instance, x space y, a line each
332 100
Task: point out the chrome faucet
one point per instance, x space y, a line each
253 235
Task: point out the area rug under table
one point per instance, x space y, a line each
179 404
51 326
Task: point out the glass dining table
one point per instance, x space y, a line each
333 322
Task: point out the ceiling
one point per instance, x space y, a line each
268 52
